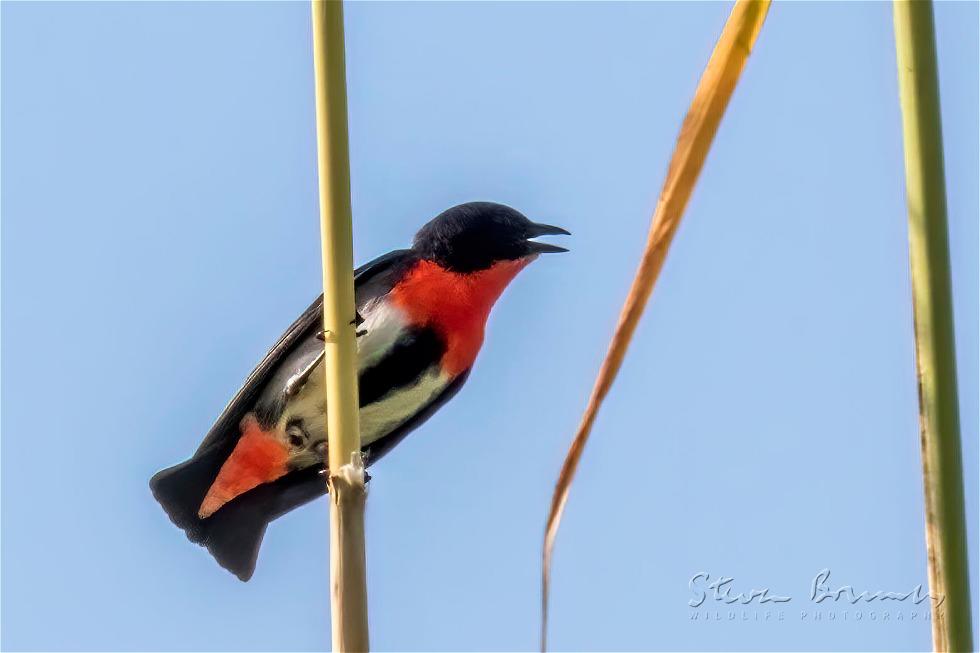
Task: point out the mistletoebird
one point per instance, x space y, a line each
421 314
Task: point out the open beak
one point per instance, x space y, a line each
538 229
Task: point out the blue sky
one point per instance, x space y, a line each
160 230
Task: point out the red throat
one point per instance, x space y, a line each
259 457
455 304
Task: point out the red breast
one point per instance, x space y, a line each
454 304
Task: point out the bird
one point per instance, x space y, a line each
420 319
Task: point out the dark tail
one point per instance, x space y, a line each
234 533
232 536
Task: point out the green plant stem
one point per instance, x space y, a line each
348 587
932 300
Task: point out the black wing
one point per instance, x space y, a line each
369 282
234 533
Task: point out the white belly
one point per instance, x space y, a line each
382 417
383 324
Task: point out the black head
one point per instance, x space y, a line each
475 235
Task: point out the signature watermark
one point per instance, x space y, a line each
718 599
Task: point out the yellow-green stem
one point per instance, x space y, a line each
346 478
942 465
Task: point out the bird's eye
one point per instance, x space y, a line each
296 435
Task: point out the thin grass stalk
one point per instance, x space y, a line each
348 587
697 132
932 301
